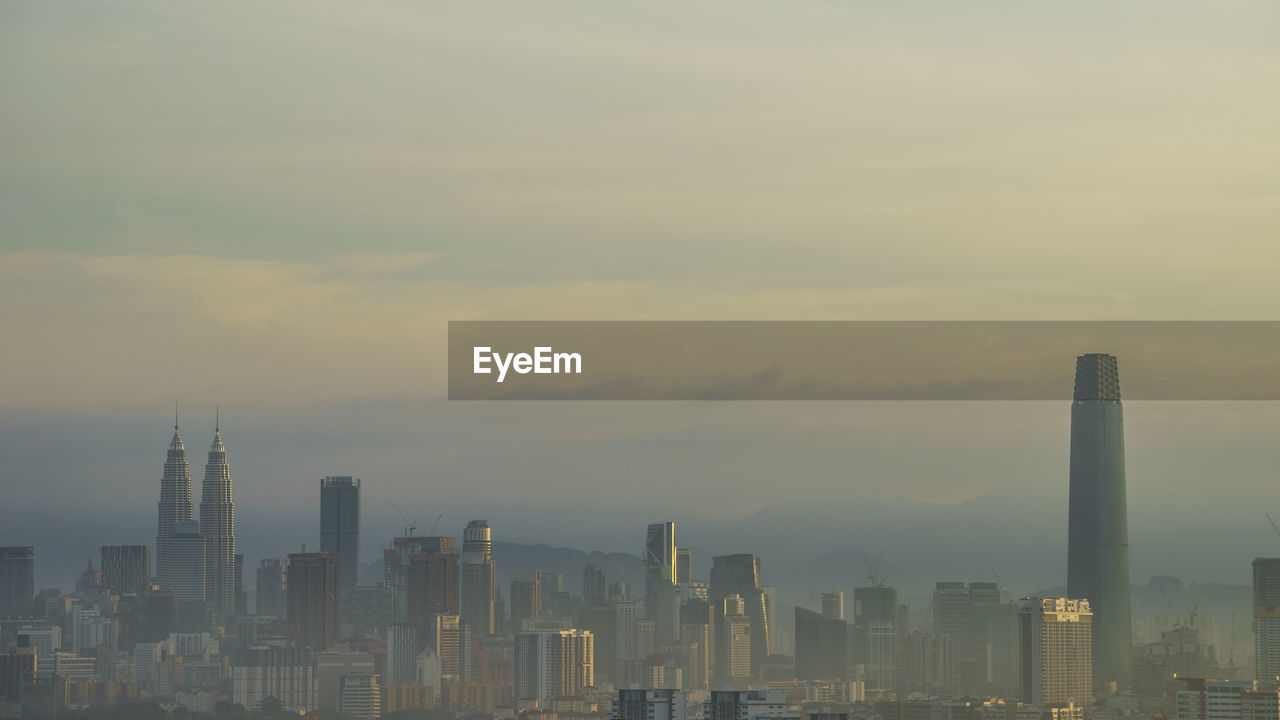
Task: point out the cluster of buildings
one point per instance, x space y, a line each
436 632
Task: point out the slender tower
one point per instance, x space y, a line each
1098 527
477 578
218 525
175 501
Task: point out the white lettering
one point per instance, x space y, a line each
543 361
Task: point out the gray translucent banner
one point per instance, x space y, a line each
934 360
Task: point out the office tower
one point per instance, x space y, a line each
954 606
526 599
697 633
340 526
395 560
312 586
833 605
273 599
286 674
218 525
126 568
995 630
740 575
734 642
359 696
175 501
1266 617
446 637
478 578
17 580
1097 527
822 645
594 588
185 566
1057 651
331 665
660 552
553 664
649 704
404 642
684 566
433 584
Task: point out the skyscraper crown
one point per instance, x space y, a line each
1097 377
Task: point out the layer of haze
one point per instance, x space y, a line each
278 207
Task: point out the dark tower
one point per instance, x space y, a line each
1097 528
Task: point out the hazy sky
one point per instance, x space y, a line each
278 207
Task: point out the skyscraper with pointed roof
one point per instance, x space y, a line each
1098 525
218 525
175 501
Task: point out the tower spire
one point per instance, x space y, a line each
175 415
217 418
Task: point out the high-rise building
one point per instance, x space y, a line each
313 600
552 664
404 642
127 568
395 560
833 605
822 645
594 588
218 525
273 598
185 567
175 501
740 575
478 578
734 643
17 580
1057 651
359 696
242 595
526 599
684 566
286 674
433 584
953 615
1207 699
660 552
1266 618
1098 526
340 525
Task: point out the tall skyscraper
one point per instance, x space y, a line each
1098 526
273 600
433 585
17 580
684 566
313 600
553 664
127 568
660 552
218 525
477 578
1057 651
822 646
175 501
340 525
740 575
1266 618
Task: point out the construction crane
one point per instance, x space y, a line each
873 571
436 524
1273 522
408 526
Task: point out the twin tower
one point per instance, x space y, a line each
197 561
